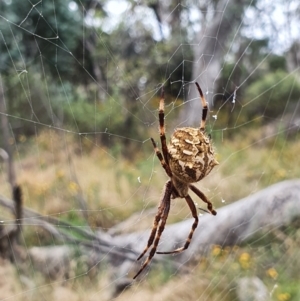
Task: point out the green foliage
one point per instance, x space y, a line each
28 102
50 29
48 47
222 266
108 120
270 95
235 72
250 53
62 54
88 117
277 62
142 60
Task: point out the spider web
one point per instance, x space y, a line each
77 122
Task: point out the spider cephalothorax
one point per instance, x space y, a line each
188 158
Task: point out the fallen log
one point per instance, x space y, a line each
235 224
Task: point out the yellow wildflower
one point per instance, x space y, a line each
245 260
60 174
73 187
22 138
284 297
272 273
216 250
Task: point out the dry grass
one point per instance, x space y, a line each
48 165
115 188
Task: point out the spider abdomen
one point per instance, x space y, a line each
191 155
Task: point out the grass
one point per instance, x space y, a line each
275 261
53 168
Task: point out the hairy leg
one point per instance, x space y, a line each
204 108
161 117
194 226
161 159
161 221
202 196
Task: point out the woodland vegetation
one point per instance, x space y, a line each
76 116
58 81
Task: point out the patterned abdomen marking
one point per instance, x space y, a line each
191 155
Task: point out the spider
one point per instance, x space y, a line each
188 158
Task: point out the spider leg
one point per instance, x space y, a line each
160 218
161 117
202 196
161 159
194 226
204 108
157 219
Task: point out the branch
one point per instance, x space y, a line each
59 229
6 136
235 224
268 209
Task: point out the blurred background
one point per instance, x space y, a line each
80 84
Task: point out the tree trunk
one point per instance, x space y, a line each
212 45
